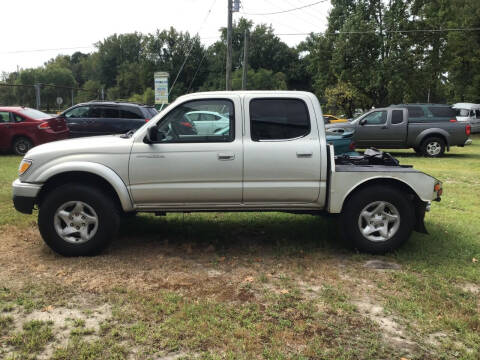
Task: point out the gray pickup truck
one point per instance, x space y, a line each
427 128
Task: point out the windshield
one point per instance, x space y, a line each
34 114
462 112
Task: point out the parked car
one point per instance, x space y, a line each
430 129
274 158
22 128
106 117
469 112
342 143
208 122
331 119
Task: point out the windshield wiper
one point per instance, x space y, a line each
128 134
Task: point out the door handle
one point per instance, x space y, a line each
304 154
225 157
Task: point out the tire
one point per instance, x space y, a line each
364 211
80 204
21 145
433 147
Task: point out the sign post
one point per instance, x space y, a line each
161 89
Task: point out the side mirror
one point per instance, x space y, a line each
363 122
152 135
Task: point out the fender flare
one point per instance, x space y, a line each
432 132
96 169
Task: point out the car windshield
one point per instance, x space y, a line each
34 114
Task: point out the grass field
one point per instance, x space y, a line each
263 285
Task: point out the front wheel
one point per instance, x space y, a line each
77 220
378 219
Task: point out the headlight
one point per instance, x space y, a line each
24 166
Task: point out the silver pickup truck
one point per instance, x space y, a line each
272 156
429 129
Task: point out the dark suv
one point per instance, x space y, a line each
103 118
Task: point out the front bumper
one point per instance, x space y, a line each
24 196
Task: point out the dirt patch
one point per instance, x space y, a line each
63 321
392 332
470 287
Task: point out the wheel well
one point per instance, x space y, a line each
78 177
15 137
389 182
435 135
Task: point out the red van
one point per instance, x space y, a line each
22 128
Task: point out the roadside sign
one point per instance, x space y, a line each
161 87
59 101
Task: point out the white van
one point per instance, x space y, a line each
469 112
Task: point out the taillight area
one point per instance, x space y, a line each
468 129
147 120
352 146
44 126
453 120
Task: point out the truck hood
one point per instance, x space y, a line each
86 145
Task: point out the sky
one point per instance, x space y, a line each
35 31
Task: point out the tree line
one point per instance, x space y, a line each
373 53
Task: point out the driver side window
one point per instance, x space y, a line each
179 126
78 112
376 118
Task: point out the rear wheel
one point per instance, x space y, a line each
21 145
433 147
77 220
378 219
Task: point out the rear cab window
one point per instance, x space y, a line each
278 119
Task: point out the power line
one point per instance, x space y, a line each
42 50
285 11
193 44
383 31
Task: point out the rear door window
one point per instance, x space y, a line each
397 116
104 112
17 118
130 113
278 119
4 117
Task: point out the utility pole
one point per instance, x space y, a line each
228 74
72 96
245 60
37 95
103 94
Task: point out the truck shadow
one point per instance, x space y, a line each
278 235
234 233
